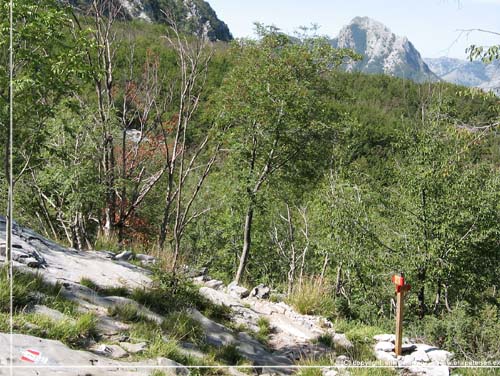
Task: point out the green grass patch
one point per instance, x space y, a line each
30 289
127 312
229 355
361 336
326 340
105 291
76 333
264 331
181 327
168 295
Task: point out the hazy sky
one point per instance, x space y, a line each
431 25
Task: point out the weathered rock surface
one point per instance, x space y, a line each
218 335
418 358
214 284
134 348
292 334
58 263
111 351
261 291
146 260
49 312
57 359
237 291
124 256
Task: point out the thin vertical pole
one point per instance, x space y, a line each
8 240
399 321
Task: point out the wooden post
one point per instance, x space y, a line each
401 288
399 321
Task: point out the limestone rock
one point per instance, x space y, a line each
197 272
56 354
421 357
112 351
387 357
214 284
172 366
237 291
110 327
342 340
385 338
335 372
430 371
384 346
261 291
406 361
146 259
134 348
49 312
342 359
439 356
124 256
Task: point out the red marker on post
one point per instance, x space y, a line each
401 288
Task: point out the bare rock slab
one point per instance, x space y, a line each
134 348
55 357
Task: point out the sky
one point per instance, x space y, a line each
435 27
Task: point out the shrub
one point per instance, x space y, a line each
467 335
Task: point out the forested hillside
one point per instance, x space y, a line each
262 161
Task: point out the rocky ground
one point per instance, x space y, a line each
292 337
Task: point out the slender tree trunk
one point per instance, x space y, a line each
177 244
338 281
446 303
291 271
438 299
306 247
323 270
422 309
110 211
166 211
246 242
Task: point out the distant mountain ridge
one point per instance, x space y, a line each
193 16
467 73
383 51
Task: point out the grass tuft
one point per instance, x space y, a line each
313 298
30 289
105 291
76 333
128 313
181 327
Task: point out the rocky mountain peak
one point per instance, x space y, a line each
193 16
383 51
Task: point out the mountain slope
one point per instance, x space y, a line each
467 73
382 51
193 16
